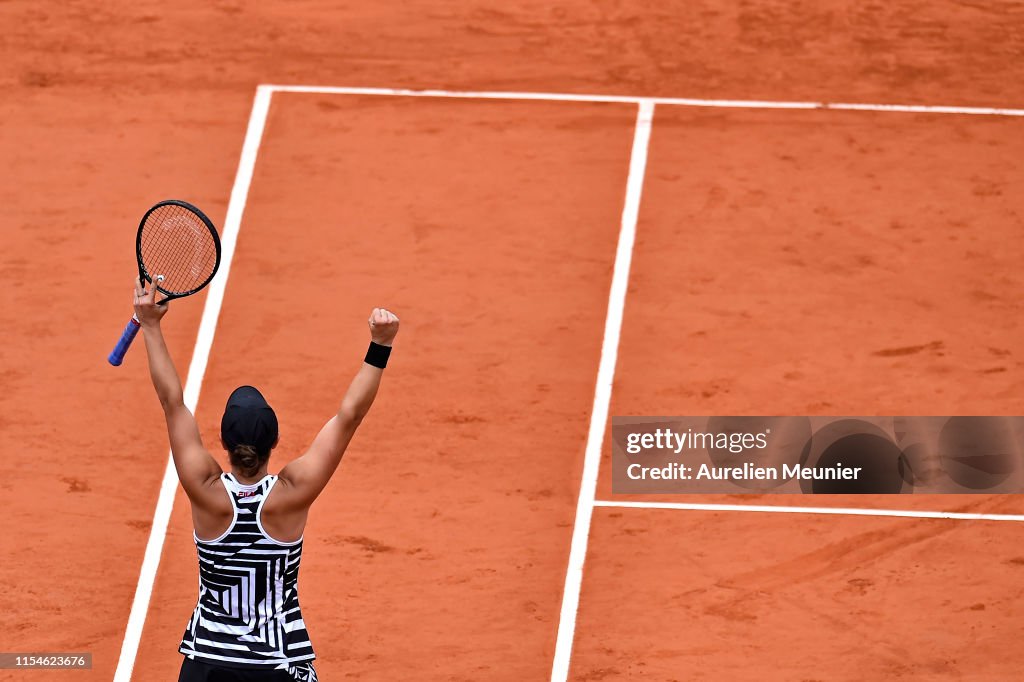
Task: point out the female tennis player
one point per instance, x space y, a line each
247 625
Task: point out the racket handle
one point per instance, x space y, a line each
116 356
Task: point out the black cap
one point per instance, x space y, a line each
248 420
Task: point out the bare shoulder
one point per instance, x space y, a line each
210 495
285 496
212 510
284 514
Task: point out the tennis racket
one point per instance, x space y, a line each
179 243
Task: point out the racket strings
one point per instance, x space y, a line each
177 244
172 248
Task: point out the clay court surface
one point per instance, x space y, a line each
785 262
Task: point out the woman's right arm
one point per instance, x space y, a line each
304 478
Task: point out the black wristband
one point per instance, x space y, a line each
377 355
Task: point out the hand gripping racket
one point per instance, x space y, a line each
175 240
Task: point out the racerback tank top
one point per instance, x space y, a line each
248 611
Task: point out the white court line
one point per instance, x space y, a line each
836 511
602 394
196 370
672 101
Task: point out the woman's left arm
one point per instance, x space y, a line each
196 467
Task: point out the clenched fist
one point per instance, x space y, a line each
383 326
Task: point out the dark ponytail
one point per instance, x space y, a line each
248 459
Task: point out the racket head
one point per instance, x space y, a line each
177 240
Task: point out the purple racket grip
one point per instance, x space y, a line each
116 356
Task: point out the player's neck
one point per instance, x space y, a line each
249 480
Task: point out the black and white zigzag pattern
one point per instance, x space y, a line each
248 612
304 672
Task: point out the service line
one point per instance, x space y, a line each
671 101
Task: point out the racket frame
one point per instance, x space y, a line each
116 356
144 275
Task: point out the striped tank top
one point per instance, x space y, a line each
248 612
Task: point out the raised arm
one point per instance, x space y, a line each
197 469
304 478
